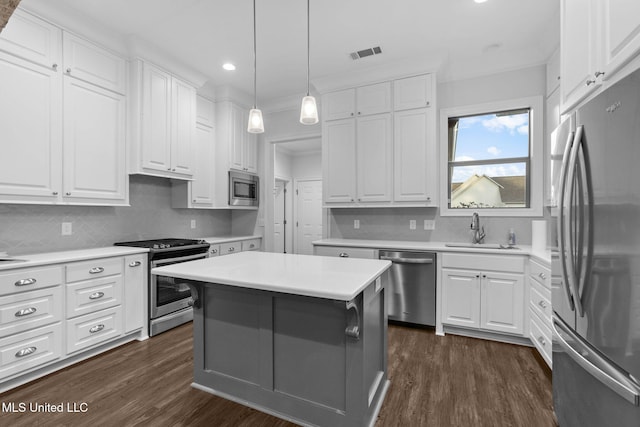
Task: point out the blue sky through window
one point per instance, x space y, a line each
492 137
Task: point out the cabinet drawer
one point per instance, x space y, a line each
540 273
540 300
541 337
475 261
92 329
30 349
230 248
214 250
95 268
28 279
251 245
90 296
29 310
339 251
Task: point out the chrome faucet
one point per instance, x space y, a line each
478 233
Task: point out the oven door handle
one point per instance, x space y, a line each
177 259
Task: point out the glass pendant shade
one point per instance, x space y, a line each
256 125
309 111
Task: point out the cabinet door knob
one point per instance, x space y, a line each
55 193
343 255
542 276
55 67
68 70
589 82
135 264
68 193
598 73
542 304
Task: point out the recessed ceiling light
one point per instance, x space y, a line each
479 1
229 66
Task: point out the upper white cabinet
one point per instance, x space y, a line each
199 193
236 144
65 139
413 92
360 101
97 66
379 144
597 38
165 122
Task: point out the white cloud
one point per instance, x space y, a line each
510 123
524 129
493 150
463 158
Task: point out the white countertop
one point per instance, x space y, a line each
315 276
523 250
34 260
215 240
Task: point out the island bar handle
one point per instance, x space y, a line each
353 331
408 260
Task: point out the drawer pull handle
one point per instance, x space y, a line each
96 270
214 251
542 276
232 249
542 341
26 311
343 255
26 351
135 264
251 246
96 295
96 328
542 304
25 282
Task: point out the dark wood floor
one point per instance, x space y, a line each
435 381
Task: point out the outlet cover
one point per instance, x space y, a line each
67 229
412 224
193 223
429 224
356 224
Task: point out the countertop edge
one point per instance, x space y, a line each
215 240
49 258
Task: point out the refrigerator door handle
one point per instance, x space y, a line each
561 224
586 216
569 254
595 364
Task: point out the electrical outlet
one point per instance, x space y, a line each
67 229
429 224
193 223
412 224
356 224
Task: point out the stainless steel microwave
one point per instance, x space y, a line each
243 189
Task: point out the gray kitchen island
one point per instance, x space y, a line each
300 337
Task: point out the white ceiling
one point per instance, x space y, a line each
458 38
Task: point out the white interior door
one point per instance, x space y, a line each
308 215
279 217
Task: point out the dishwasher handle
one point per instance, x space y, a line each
408 260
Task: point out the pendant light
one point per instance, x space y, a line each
308 110
255 125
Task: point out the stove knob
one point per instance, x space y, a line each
156 246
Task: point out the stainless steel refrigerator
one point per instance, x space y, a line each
596 288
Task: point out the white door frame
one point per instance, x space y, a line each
288 211
269 181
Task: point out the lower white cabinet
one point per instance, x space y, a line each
53 312
540 310
484 292
344 252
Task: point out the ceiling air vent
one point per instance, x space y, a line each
366 52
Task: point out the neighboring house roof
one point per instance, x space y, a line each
512 188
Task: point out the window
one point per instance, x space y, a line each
492 159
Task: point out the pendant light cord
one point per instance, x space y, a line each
308 47
255 61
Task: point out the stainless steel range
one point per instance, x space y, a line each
170 302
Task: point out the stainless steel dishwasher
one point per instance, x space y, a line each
412 296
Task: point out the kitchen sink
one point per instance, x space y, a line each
480 245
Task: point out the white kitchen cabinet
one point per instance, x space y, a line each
358 159
135 299
84 61
344 252
240 145
165 114
580 47
374 154
360 101
483 292
540 309
415 168
598 37
89 165
339 161
413 92
94 170
553 72
199 192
